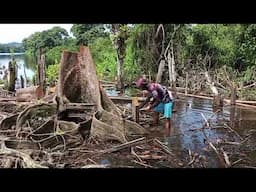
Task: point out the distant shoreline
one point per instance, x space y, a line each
12 53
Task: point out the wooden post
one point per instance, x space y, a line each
135 109
186 89
233 93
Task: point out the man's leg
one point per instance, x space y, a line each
168 127
168 115
156 118
157 110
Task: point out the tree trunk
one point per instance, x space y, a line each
173 76
186 84
120 36
233 93
160 71
217 98
12 75
41 70
22 81
120 81
25 75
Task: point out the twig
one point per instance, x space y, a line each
192 160
125 145
143 164
207 123
226 157
251 167
216 151
233 131
94 166
91 160
231 143
133 153
245 140
160 144
235 162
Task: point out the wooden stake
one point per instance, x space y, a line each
135 109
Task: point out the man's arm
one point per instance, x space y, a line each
155 103
145 102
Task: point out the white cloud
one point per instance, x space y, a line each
17 32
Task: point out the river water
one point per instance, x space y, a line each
25 65
234 125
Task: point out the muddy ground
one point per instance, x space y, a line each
202 138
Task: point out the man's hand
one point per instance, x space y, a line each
146 108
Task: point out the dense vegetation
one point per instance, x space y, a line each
226 51
11 47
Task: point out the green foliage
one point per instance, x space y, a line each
45 39
104 56
52 72
131 67
142 35
11 47
215 40
53 55
87 33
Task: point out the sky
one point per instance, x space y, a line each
17 32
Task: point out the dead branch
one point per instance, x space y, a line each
247 86
133 153
226 158
94 166
125 145
192 159
206 121
143 164
236 162
222 161
232 130
162 146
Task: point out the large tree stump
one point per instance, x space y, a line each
79 83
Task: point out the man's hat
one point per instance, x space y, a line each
141 82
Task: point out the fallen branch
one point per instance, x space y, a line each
125 145
251 167
235 162
230 143
133 153
233 131
94 166
247 86
192 160
217 153
162 146
143 164
207 123
226 157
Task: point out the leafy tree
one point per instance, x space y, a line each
87 33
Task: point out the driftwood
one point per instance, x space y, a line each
162 146
8 122
28 161
125 145
29 94
94 166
